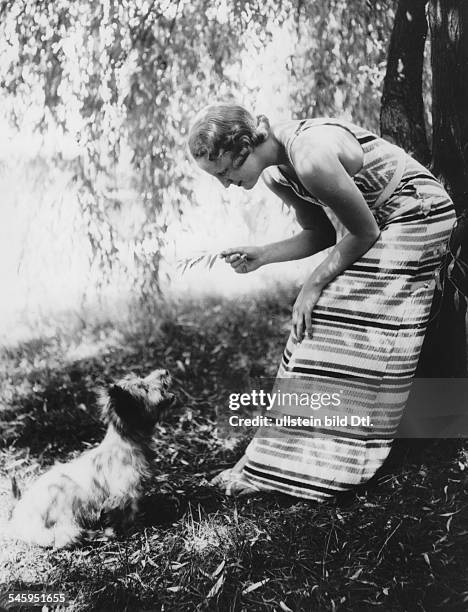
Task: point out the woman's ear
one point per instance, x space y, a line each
263 129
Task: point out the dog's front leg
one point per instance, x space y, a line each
99 535
121 519
129 514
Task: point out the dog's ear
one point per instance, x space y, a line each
119 394
126 405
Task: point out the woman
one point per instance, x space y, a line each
359 320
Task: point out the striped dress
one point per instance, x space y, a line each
367 330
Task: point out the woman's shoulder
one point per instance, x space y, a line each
283 130
326 130
293 130
330 138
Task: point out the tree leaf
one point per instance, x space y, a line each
195 261
438 280
450 267
255 586
212 261
219 568
216 587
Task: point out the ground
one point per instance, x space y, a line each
398 543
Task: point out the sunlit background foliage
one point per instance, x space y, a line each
99 195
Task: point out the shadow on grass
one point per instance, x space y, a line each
389 542
48 389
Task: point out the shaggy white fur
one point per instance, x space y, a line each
107 480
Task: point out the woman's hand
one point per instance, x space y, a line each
302 310
244 259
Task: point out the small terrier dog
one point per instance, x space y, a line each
103 482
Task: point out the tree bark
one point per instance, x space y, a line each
402 121
402 111
448 21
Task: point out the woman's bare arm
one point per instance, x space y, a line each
317 234
319 168
324 163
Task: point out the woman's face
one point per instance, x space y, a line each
245 176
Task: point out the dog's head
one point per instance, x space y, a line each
135 404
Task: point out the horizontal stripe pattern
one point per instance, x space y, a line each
368 328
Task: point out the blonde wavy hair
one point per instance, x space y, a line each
221 128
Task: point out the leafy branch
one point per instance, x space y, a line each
204 258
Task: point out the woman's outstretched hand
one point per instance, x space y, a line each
244 259
302 310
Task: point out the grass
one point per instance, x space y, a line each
398 543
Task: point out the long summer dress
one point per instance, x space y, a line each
367 330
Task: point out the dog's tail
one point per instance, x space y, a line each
15 488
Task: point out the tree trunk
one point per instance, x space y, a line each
402 111
448 21
402 121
